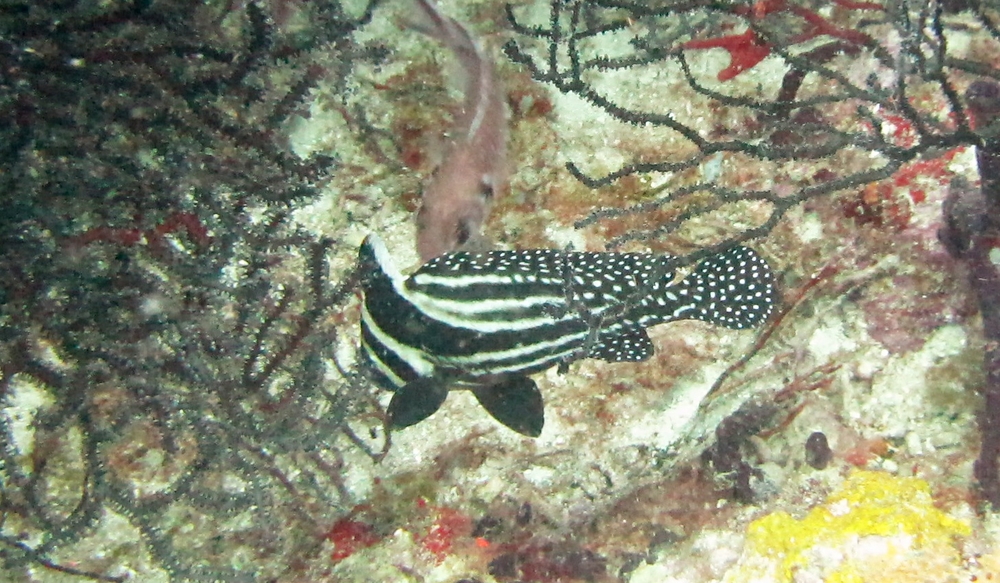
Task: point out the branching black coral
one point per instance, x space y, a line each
782 127
871 94
166 331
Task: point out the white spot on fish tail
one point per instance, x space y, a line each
681 310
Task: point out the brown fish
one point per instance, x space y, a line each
457 200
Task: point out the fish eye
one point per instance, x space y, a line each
462 234
485 190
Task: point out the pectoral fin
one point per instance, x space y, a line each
514 401
415 401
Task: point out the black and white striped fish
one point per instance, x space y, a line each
484 321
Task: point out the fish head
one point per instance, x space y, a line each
453 209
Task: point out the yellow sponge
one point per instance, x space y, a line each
875 527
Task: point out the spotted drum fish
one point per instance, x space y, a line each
485 321
457 200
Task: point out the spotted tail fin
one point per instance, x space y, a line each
734 289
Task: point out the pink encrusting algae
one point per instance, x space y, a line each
457 200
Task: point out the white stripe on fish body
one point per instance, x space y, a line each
379 367
521 359
526 359
414 357
486 90
473 172
481 314
461 281
481 85
487 316
418 362
462 314
555 337
455 289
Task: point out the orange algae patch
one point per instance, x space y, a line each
876 525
